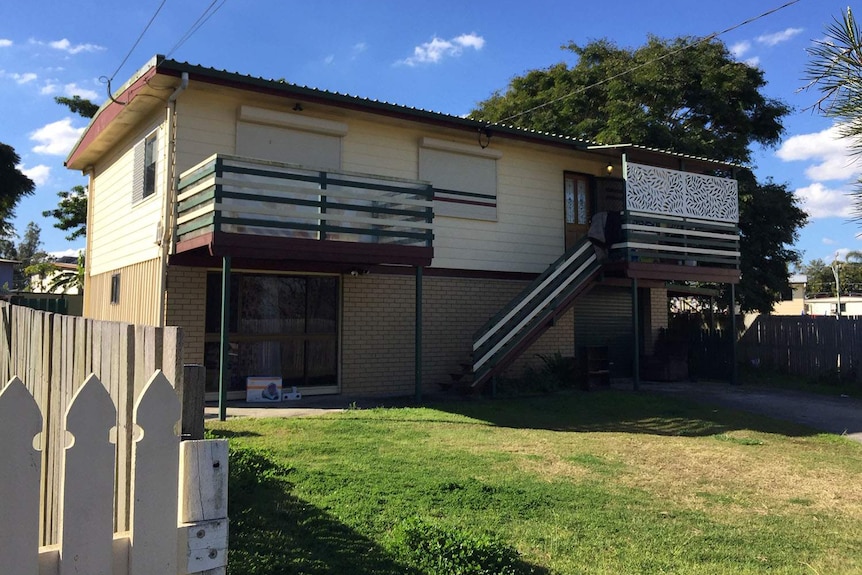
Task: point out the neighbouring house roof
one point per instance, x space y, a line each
160 76
798 279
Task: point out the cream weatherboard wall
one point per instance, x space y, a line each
122 233
528 232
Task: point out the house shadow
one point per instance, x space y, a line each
274 532
616 410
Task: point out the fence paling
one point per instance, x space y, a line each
87 542
53 354
805 346
20 421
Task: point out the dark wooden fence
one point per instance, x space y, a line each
805 346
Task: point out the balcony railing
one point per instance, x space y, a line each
246 197
675 218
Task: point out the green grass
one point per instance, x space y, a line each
608 482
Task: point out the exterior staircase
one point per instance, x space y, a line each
506 335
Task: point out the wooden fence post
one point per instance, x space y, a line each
194 382
203 505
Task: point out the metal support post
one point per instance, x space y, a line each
224 354
418 336
636 342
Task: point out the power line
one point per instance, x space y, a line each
639 66
202 19
135 45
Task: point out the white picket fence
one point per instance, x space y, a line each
178 491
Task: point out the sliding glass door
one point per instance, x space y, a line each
280 326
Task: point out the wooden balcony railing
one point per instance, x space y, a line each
259 201
679 225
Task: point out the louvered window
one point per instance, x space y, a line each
146 156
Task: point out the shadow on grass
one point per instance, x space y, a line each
274 532
617 411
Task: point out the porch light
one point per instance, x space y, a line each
610 168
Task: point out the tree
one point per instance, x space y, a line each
684 95
71 211
821 278
14 185
768 224
33 260
835 70
81 106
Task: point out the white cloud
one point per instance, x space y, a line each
779 37
329 59
75 90
67 46
56 138
39 174
5 42
438 48
754 61
24 78
827 241
740 49
830 155
358 49
822 202
73 252
48 89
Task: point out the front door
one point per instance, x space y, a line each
577 207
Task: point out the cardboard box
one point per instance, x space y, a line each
263 389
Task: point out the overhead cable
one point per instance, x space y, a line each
643 64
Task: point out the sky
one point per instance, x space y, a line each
445 56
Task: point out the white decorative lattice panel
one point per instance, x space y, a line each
671 192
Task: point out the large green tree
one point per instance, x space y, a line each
14 185
686 95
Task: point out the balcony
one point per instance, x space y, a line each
266 210
679 226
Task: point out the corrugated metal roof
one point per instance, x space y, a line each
169 67
420 114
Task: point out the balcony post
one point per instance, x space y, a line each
224 353
733 371
418 336
636 344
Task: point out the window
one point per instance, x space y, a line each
115 289
146 167
464 178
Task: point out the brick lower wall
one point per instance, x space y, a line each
378 330
186 307
658 317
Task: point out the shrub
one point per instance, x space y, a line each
436 550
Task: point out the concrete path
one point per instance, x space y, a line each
841 415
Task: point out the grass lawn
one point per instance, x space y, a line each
605 482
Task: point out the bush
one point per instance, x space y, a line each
438 550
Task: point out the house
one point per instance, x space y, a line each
64 267
317 220
793 301
7 273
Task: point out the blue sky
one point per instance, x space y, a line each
444 56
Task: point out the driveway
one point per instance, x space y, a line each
840 415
